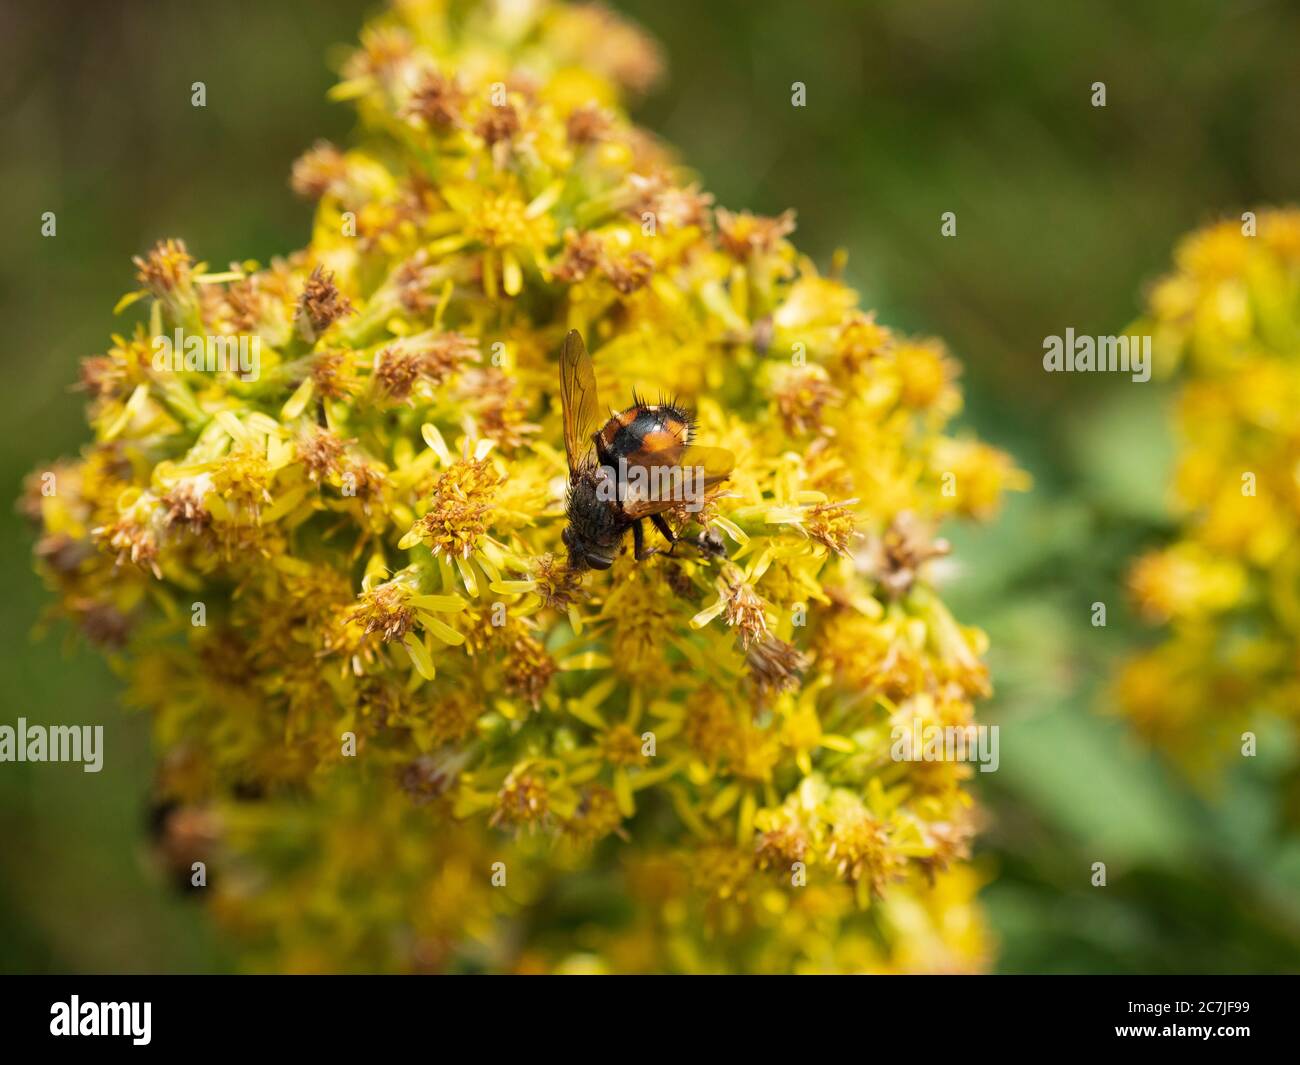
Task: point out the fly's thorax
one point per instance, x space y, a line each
596 526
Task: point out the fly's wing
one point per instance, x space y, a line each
581 407
681 477
714 463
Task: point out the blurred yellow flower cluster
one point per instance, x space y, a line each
401 731
1227 322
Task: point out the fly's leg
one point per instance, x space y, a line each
661 523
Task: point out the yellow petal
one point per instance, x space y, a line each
442 630
586 660
285 503
435 441
467 575
128 299
512 587
586 714
745 823
488 567
297 403
441 604
707 614
420 656
731 529
623 793
544 200
233 426
724 801
512 276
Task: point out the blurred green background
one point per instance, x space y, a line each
914 107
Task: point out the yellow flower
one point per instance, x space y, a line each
407 718
1226 320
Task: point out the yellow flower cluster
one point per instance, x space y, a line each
403 733
1228 322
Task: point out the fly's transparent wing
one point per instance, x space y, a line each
578 399
652 487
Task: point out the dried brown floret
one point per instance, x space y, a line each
319 170
438 100
321 304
